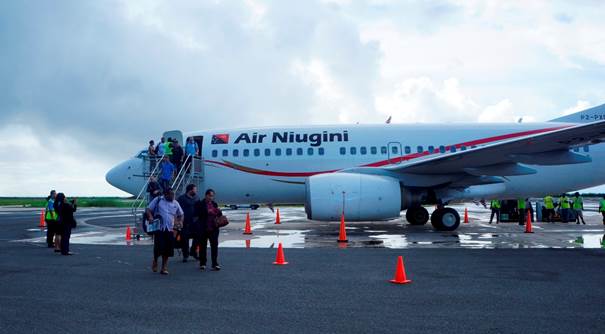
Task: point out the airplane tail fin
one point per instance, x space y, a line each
585 116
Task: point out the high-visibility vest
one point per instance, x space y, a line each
602 205
548 202
521 203
564 202
495 204
577 203
50 213
167 148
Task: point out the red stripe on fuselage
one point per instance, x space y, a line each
392 160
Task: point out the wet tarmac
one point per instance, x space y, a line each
107 227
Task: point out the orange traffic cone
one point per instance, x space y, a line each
400 277
128 234
342 236
277 219
280 259
528 228
42 221
248 229
465 215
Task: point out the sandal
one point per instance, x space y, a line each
154 266
164 272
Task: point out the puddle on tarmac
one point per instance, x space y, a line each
590 241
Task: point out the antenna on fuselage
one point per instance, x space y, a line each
389 120
520 120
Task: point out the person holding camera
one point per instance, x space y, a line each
65 210
169 212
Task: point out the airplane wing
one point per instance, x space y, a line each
488 163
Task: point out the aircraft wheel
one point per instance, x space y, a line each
417 216
446 219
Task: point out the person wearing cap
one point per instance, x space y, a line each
578 206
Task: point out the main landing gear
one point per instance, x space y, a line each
442 219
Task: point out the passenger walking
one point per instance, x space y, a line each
549 207
191 150
168 147
521 204
167 171
159 149
564 206
207 211
602 208
153 188
67 222
177 155
495 207
171 214
152 156
50 216
578 206
191 228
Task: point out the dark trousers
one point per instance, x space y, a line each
51 230
522 217
165 184
65 240
186 249
565 215
495 212
548 215
603 213
211 236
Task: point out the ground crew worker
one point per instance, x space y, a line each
549 211
564 206
602 208
495 207
53 235
521 210
578 206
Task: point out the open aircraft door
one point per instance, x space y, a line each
174 134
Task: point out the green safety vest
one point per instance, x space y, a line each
602 207
167 148
577 203
564 202
50 213
520 204
548 202
495 204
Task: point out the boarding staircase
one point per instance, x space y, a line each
192 172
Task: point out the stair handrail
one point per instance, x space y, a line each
137 201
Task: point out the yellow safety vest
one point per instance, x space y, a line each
50 213
168 148
577 203
495 204
602 206
548 202
564 202
521 204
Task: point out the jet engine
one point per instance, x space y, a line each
362 196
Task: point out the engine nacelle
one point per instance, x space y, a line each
365 197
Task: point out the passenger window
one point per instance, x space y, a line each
363 150
419 149
299 151
214 153
288 151
246 152
310 151
236 153
408 150
462 148
267 152
225 153
576 149
278 152
394 149
321 151
353 150
442 149
453 149
383 150
373 150
432 149
586 148
256 152
343 151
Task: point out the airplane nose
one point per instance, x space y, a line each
121 176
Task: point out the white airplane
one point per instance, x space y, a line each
373 172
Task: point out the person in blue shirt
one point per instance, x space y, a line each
191 150
167 170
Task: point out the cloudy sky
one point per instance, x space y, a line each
85 84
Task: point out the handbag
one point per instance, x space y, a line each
221 221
